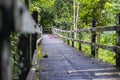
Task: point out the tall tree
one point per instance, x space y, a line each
63 12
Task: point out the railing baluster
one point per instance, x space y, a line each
34 36
68 41
64 38
118 43
6 27
73 39
24 56
93 39
80 36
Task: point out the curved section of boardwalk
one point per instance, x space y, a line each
67 63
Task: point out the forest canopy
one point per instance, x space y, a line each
60 12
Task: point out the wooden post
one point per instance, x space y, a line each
93 39
24 55
1 59
118 43
73 38
34 36
64 38
6 27
80 35
24 52
35 16
68 35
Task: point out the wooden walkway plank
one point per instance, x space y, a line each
66 63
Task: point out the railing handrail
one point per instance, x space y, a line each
110 48
40 34
97 29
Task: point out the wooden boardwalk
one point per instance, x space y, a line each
66 63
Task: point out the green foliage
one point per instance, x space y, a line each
86 49
39 55
108 38
103 11
63 13
14 55
45 9
91 9
107 56
34 6
86 36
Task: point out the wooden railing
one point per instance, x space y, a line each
15 17
39 34
69 36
